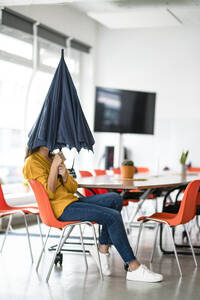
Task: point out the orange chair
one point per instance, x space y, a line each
91 192
87 192
186 213
6 209
85 174
193 169
173 207
99 172
138 169
116 171
48 218
142 169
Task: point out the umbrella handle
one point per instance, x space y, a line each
73 163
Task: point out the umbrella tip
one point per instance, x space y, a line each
62 53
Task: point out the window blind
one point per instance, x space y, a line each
20 22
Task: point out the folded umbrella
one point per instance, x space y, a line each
61 122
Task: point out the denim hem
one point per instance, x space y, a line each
127 262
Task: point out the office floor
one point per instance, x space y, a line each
19 280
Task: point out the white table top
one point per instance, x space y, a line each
142 181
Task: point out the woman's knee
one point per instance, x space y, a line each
115 217
118 200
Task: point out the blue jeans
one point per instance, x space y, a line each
103 209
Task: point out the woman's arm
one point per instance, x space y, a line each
53 174
62 172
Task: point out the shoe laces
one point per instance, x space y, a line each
144 268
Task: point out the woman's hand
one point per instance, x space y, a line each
57 161
53 174
62 172
62 156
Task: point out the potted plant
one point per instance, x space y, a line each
127 169
182 160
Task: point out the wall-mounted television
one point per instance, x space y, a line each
124 111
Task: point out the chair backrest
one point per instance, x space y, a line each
99 172
187 209
87 192
85 174
116 171
193 169
44 206
3 204
142 169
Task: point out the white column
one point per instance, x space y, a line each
119 151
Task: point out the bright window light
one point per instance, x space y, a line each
15 46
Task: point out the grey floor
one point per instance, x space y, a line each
19 280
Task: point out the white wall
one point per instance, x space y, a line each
165 61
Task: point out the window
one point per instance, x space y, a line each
21 87
38 92
15 73
15 46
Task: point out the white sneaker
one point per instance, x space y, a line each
104 258
142 273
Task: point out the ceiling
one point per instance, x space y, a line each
118 14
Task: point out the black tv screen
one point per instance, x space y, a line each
124 111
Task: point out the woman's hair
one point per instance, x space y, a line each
28 152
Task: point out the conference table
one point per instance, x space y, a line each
141 181
145 182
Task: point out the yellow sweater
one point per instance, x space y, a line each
38 167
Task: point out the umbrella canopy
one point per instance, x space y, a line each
61 122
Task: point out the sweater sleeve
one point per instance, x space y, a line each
71 184
35 170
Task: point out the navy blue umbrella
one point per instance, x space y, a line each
61 122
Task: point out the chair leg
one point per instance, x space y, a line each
175 252
132 217
126 215
154 244
39 225
95 241
54 256
138 238
83 228
43 248
126 219
190 242
28 236
6 233
156 204
83 246
139 205
66 236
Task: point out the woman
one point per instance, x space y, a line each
103 209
